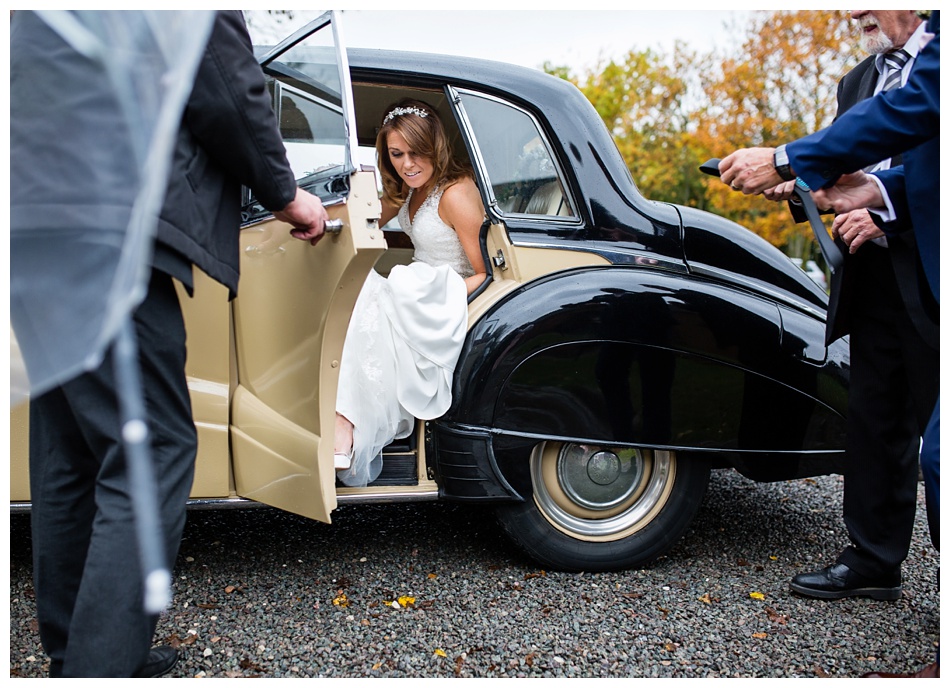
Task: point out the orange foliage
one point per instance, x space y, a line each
668 114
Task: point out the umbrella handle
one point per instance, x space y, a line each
142 487
829 250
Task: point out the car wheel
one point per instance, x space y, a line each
604 508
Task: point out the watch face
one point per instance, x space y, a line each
780 162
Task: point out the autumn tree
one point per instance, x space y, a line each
669 113
778 86
643 101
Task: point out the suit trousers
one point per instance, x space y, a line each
86 567
893 390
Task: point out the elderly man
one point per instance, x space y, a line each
892 323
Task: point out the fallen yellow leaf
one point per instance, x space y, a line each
760 635
405 600
441 653
432 576
705 598
756 596
341 600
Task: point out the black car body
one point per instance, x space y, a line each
620 350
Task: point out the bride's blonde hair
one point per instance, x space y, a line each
419 124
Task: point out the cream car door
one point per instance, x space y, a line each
295 300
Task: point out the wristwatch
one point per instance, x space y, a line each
780 161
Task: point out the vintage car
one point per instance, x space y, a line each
619 350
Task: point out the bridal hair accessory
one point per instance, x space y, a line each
395 112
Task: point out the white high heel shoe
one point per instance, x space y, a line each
342 461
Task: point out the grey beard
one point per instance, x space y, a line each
875 45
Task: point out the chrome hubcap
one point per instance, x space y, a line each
600 493
598 480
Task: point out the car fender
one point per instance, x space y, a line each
640 357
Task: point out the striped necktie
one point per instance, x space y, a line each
893 64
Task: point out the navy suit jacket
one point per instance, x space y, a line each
904 120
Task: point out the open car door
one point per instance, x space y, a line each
295 300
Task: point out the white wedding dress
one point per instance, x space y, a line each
403 341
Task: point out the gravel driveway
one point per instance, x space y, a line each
435 590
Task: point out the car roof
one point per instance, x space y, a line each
509 78
574 122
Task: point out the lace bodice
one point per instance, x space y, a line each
434 241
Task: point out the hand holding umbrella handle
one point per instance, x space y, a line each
829 250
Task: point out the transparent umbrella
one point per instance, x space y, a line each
87 180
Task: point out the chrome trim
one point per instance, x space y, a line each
626 257
759 287
353 498
293 90
228 503
683 448
388 497
662 469
223 503
297 36
268 216
598 481
334 18
346 88
468 135
614 255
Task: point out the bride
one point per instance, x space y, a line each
407 330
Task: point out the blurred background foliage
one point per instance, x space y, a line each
669 113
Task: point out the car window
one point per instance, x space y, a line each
308 80
517 159
307 97
310 125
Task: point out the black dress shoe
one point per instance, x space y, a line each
838 581
160 661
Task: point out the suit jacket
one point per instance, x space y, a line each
853 87
857 85
229 136
904 119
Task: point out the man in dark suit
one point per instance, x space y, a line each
894 356
908 191
87 575
906 120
